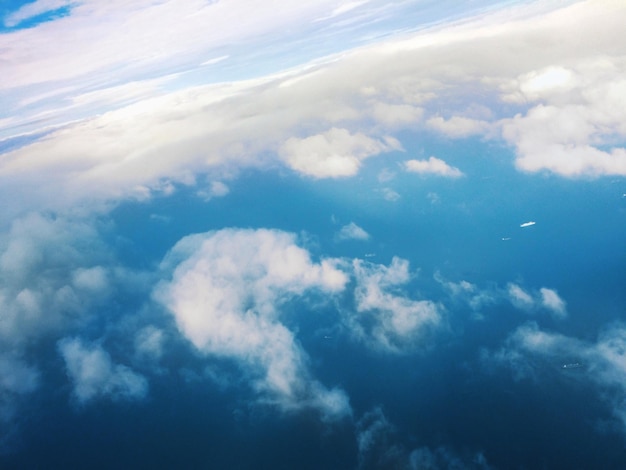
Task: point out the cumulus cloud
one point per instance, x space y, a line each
384 318
94 375
225 295
352 232
335 153
432 166
321 125
50 276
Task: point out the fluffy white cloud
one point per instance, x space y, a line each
94 375
319 123
432 166
335 153
385 319
225 294
49 276
352 232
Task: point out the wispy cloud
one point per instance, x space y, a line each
352 232
527 224
385 319
602 361
94 375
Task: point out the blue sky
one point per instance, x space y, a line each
336 234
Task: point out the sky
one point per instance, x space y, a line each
328 234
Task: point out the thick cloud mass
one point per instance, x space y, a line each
225 294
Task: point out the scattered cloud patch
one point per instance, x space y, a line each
352 232
550 299
527 224
602 361
215 189
333 154
225 294
385 319
547 299
390 195
432 166
458 127
94 374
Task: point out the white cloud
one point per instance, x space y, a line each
215 189
352 232
323 125
551 300
458 127
519 296
225 295
50 276
527 224
385 319
94 375
333 154
432 166
545 298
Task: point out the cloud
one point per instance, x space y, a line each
385 319
94 375
380 446
34 9
432 166
215 189
225 295
602 361
352 232
527 224
519 296
17 378
51 274
550 299
545 298
458 127
311 118
390 195
333 154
